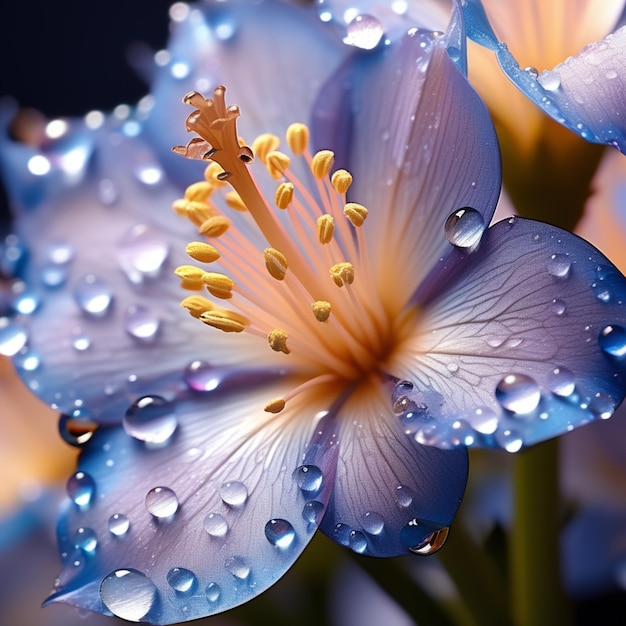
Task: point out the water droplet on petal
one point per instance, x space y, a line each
128 594
238 567
309 478
509 439
151 419
78 428
372 523
422 537
85 539
234 493
12 338
80 488
558 306
549 80
181 580
141 323
312 511
215 525
53 276
161 502
141 253
518 393
358 541
464 228
562 382
559 265
364 32
280 533
612 340
341 534
404 496
118 524
93 295
483 420
201 376
81 343
602 406
213 592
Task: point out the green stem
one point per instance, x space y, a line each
538 596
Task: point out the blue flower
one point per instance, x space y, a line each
341 332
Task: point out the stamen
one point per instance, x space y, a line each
224 320
191 277
197 305
355 213
342 274
321 310
275 406
276 263
234 201
198 192
264 144
203 252
284 195
277 339
215 226
276 163
298 138
212 175
218 285
325 228
322 163
341 181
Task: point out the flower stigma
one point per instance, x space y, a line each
295 270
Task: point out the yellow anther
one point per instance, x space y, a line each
198 192
275 406
234 201
276 263
277 339
341 181
214 226
355 213
180 207
325 228
224 320
342 274
218 285
197 305
284 195
298 138
276 163
322 163
191 277
212 175
321 310
264 144
203 252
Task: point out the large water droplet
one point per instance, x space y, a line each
128 594
562 382
93 295
215 525
549 80
213 592
141 323
518 393
234 493
309 478
151 419
602 406
238 567
181 580
464 228
80 488
364 32
372 523
78 428
118 524
422 537
612 340
482 420
85 539
559 265
161 502
509 439
357 541
280 533
312 511
142 252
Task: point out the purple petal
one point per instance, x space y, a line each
527 342
196 524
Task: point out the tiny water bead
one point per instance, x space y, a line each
280 533
234 493
93 295
151 419
518 393
309 478
182 580
161 503
215 525
80 488
118 524
238 567
129 594
612 340
464 228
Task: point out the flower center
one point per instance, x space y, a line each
295 270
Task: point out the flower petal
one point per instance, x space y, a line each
202 522
527 342
420 147
585 93
391 495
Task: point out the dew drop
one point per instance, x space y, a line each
364 32
509 439
238 567
464 228
341 534
533 71
280 533
128 594
404 496
77 429
309 478
215 525
483 420
518 393
151 419
549 80
81 343
93 295
558 306
602 406
118 524
53 276
80 488
141 323
234 493
312 511
141 253
85 539
372 523
161 502
612 340
422 537
559 265
358 541
181 580
561 382
201 376
213 592
12 339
